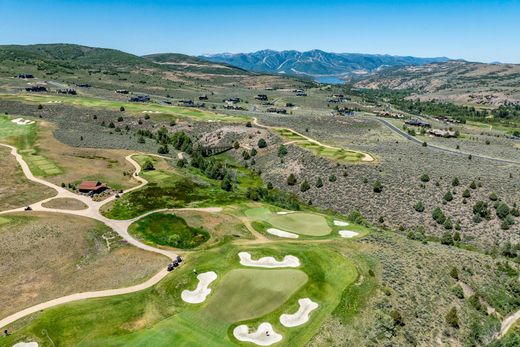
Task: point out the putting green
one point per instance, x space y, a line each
249 293
302 223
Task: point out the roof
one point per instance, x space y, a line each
91 185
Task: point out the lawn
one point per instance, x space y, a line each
167 230
157 316
249 293
65 204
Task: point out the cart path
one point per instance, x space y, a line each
92 211
366 157
508 322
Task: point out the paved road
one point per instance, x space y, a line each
92 211
444 149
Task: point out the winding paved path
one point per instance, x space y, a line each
92 211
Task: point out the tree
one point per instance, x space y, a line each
448 224
269 185
163 150
493 196
236 145
282 151
226 184
502 210
121 109
466 193
425 178
454 273
148 165
473 185
424 144
447 238
291 180
455 182
253 152
419 206
111 125
438 216
452 318
319 183
480 209
397 318
448 196
245 155
305 186
262 143
332 178
248 125
377 186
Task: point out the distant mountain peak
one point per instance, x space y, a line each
316 63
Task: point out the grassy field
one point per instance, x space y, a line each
65 204
137 108
333 153
171 187
18 191
157 316
9 129
47 255
169 230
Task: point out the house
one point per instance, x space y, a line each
139 98
345 111
83 85
231 100
338 96
442 133
166 102
67 91
36 89
234 107
277 110
91 187
261 97
122 91
203 97
25 75
301 94
190 103
289 104
418 123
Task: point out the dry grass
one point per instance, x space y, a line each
65 204
78 164
16 190
45 256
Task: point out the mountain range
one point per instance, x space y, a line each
317 64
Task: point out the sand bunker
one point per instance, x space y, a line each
202 291
301 316
268 262
26 344
151 111
340 223
263 336
282 233
21 121
284 212
347 233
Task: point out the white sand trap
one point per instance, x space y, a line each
340 223
282 233
301 316
21 121
26 344
263 336
347 233
202 291
151 112
285 212
268 262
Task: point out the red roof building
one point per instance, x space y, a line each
91 186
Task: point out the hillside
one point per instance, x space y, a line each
457 81
109 68
316 63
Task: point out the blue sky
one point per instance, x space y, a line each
473 30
